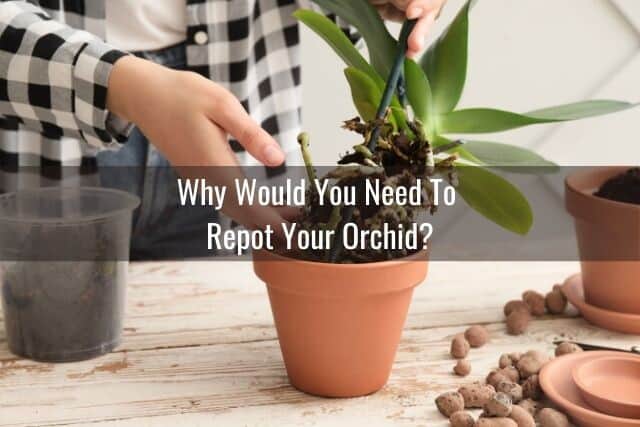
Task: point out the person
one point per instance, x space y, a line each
208 81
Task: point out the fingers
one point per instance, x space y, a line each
289 213
235 120
424 11
391 13
419 34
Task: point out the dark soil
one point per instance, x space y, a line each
622 188
63 311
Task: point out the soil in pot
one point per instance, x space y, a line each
622 188
63 311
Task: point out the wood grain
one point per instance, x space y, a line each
200 349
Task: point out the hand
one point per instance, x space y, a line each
425 11
188 117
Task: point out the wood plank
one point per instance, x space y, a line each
208 349
230 377
178 304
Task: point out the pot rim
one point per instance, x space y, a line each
326 280
577 195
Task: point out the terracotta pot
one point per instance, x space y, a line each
339 325
608 236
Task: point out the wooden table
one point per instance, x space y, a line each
200 349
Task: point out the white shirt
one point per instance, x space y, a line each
135 25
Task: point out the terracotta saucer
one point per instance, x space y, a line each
611 385
610 320
557 382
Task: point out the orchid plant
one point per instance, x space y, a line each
422 118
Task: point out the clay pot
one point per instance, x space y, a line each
608 234
339 325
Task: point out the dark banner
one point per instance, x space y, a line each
474 214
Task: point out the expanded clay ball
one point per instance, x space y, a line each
531 388
512 373
567 348
496 422
459 347
531 362
522 417
518 322
530 405
556 302
477 336
505 361
549 417
513 390
476 395
509 359
535 302
462 368
495 377
449 403
462 419
515 305
509 373
498 406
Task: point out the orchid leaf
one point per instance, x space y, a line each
487 120
400 116
446 62
495 198
366 94
339 42
581 110
509 157
418 90
366 19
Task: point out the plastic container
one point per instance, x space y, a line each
64 254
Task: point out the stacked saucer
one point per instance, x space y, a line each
627 323
597 389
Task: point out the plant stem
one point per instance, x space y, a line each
332 224
387 96
303 140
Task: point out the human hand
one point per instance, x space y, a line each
425 11
187 118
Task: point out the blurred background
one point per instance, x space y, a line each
524 55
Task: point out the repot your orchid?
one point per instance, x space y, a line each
339 320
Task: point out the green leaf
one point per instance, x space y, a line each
339 42
418 90
581 110
446 62
400 116
365 93
495 198
484 120
508 157
487 120
366 19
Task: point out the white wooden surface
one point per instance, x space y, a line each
200 349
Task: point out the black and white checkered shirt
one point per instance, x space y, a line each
54 69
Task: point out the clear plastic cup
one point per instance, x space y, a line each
64 254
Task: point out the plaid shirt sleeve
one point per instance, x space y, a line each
53 78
